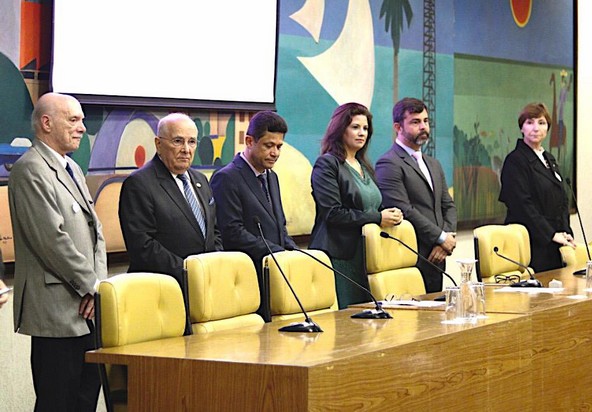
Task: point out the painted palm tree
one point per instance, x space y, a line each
395 13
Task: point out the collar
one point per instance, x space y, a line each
59 157
257 174
409 150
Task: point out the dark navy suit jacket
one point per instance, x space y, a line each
239 199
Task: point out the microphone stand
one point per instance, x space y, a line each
377 313
439 269
308 325
532 282
580 271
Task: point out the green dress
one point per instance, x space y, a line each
347 293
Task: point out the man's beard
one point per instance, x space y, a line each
421 138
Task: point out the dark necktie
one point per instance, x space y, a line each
263 180
193 203
71 173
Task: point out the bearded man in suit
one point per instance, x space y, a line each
59 258
416 184
166 209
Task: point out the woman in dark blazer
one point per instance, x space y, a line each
346 198
533 191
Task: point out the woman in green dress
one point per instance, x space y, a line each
346 198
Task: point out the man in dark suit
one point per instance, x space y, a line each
59 257
415 183
166 209
247 190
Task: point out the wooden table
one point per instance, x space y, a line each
530 361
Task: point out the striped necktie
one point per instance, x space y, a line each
193 203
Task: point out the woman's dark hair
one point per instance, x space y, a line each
341 118
534 111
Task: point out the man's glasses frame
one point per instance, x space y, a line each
179 141
511 279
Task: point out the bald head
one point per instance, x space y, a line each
57 120
176 141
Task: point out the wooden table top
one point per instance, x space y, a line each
343 337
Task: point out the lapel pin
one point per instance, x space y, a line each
198 184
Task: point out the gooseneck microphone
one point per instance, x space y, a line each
532 282
581 271
377 313
308 325
439 269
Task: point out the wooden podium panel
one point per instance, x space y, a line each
562 357
411 362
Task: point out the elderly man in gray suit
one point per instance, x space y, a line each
59 258
415 183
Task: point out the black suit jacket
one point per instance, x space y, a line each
239 198
403 185
340 212
536 199
158 226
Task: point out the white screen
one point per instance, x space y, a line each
206 50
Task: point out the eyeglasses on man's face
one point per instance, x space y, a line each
179 141
511 279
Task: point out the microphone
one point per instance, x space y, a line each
387 236
532 282
581 271
377 313
308 325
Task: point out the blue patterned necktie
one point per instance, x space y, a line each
193 203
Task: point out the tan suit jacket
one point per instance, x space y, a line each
59 245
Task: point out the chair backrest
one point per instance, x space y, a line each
132 308
512 241
390 265
313 283
107 208
223 291
139 307
6 236
575 258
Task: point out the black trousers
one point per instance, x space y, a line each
61 378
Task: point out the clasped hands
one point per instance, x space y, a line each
391 217
441 251
564 239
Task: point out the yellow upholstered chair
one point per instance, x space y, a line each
512 241
223 291
313 283
575 258
133 308
391 266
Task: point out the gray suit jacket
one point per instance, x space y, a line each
59 245
403 185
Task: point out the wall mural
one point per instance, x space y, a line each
476 64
